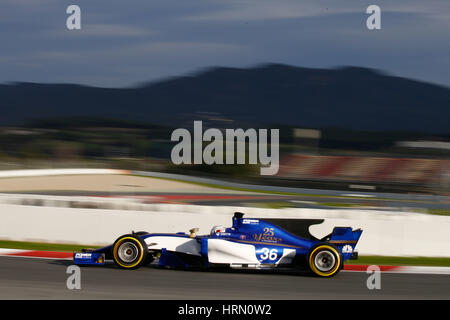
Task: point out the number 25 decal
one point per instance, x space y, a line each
268 231
268 254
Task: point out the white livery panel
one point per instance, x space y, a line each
178 244
228 252
223 251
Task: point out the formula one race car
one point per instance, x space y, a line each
249 243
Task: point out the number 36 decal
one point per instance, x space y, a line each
266 254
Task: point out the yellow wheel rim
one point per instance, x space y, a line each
313 266
116 248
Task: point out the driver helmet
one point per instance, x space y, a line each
217 229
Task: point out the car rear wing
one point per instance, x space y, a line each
345 238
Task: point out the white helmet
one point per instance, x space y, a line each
217 229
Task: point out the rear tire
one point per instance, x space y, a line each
130 252
324 260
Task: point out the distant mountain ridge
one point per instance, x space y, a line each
348 97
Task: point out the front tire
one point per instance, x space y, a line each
324 260
130 252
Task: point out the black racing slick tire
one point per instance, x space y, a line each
130 252
324 260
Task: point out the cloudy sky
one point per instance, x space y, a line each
124 43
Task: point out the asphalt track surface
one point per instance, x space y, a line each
28 278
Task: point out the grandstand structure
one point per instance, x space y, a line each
417 171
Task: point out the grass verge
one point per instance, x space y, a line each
42 246
439 212
401 261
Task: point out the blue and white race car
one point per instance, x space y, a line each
248 243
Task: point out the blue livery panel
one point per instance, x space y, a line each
89 258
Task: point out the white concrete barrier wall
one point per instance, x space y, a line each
385 233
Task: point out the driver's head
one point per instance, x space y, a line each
217 229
